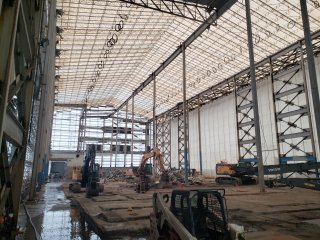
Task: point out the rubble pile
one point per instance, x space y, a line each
177 176
114 175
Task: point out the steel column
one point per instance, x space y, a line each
117 147
154 111
185 106
255 98
111 143
102 152
132 129
85 130
275 109
9 22
147 136
126 137
199 134
292 115
311 67
154 120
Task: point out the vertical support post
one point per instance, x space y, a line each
184 86
79 145
126 137
237 119
170 146
84 130
306 94
154 170
102 153
255 99
311 67
308 104
111 143
117 147
275 111
199 134
132 128
8 53
154 112
147 135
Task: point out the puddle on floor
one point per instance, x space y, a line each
54 219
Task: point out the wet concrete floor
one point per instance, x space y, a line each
53 218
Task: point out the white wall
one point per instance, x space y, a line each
219 133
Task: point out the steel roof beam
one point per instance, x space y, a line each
195 10
204 26
175 110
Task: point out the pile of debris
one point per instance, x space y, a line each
114 175
177 176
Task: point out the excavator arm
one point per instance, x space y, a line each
155 152
143 180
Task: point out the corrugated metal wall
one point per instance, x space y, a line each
219 131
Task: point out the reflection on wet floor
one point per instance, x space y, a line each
54 218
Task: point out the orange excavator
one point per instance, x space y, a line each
145 169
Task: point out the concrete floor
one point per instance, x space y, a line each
280 213
121 213
53 217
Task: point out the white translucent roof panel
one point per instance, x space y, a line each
109 48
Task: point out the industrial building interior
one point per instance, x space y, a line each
159 119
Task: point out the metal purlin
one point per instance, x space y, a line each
245 125
292 111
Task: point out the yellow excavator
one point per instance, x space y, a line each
145 169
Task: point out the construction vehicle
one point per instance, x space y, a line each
76 174
245 173
193 214
145 169
90 174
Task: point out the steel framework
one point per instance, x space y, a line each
242 79
223 7
240 86
163 126
245 125
292 112
192 10
182 135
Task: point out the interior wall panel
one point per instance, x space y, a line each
219 136
194 140
267 123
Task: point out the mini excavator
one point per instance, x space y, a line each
90 174
145 169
